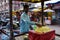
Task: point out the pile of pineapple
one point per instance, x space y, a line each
42 29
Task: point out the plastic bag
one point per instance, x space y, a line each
4 37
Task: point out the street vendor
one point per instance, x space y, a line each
25 21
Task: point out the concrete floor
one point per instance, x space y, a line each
56 28
21 38
57 38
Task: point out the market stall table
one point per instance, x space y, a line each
45 36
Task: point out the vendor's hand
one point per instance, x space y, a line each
39 25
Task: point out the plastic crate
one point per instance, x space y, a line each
46 36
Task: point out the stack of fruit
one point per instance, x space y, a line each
42 29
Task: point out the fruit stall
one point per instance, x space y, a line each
44 36
42 33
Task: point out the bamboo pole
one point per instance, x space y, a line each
11 21
42 5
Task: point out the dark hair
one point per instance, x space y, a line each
17 12
26 6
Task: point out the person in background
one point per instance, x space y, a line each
18 15
32 18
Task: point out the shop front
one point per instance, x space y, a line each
57 12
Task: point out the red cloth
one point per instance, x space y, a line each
46 36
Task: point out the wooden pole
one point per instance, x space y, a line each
11 23
42 5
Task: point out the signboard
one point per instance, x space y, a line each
56 6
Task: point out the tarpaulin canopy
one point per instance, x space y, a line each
33 1
48 10
35 10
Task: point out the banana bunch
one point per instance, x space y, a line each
42 29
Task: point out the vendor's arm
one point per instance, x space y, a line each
23 17
34 23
